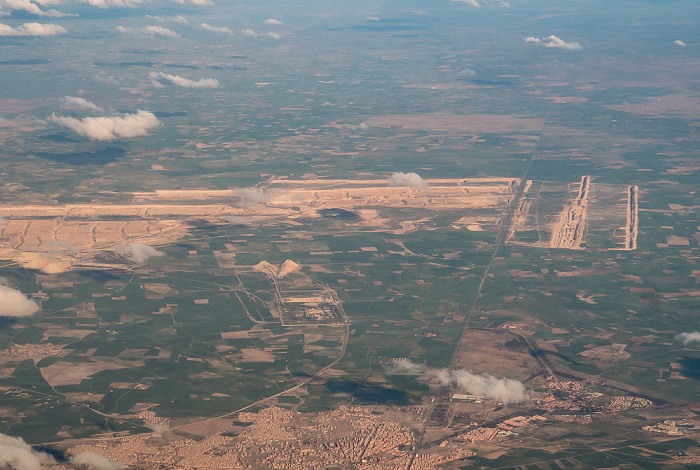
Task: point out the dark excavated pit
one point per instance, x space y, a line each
336 213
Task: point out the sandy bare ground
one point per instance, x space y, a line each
520 215
235 335
55 245
612 353
57 235
569 231
79 397
632 217
599 218
143 210
435 198
664 106
277 272
204 428
64 333
66 373
53 238
14 105
440 194
445 121
256 355
372 183
370 218
184 194
483 351
156 290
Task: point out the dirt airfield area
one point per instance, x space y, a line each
576 216
53 238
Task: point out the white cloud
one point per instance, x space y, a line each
74 102
15 454
249 32
193 2
160 428
504 390
160 31
94 461
216 29
273 21
405 367
149 31
177 19
373 18
101 77
32 29
489 3
412 180
13 303
113 3
161 79
553 41
45 3
137 252
274 35
252 195
54 249
361 125
110 127
31 6
687 338
678 42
